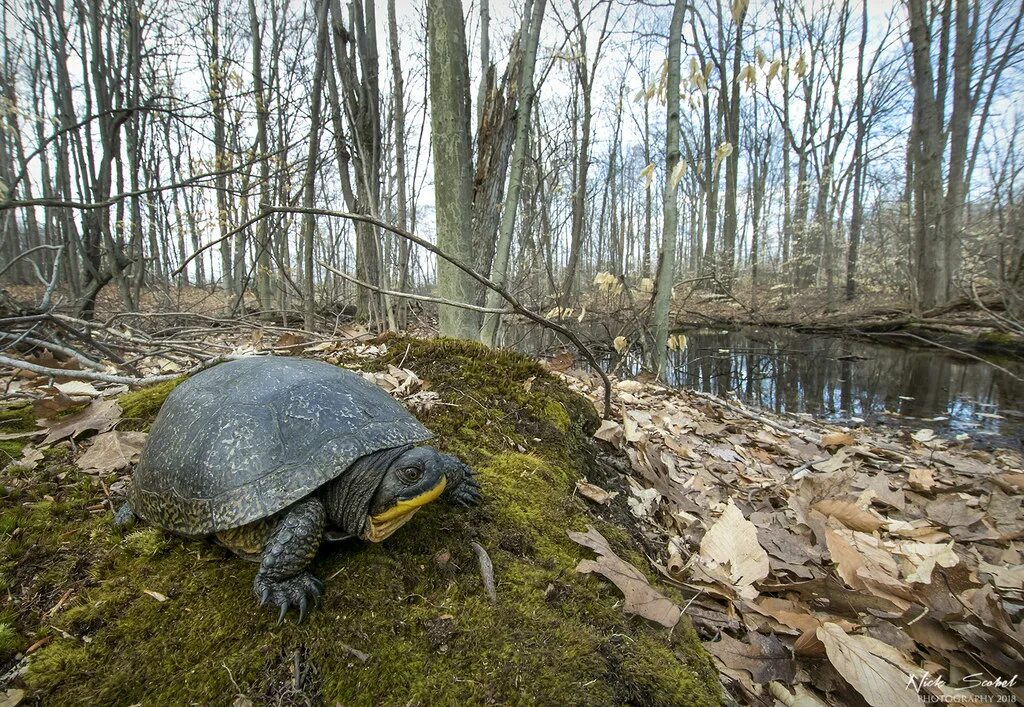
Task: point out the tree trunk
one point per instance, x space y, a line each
453 162
666 269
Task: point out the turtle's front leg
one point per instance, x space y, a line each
282 579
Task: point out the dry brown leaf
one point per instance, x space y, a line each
833 463
879 672
864 564
920 559
850 514
77 389
595 493
639 596
883 495
766 658
836 439
921 479
802 698
951 511
610 431
99 416
732 542
111 451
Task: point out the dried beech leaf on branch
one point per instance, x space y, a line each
732 542
639 596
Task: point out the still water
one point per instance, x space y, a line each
850 380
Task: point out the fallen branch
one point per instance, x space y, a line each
950 348
108 377
806 436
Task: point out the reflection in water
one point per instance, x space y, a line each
839 379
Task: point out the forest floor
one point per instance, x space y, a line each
816 564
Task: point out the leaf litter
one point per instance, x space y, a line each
826 565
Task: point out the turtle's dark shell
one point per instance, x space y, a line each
245 439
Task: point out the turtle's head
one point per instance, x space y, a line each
383 490
414 479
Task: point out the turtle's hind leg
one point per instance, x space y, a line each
282 579
125 517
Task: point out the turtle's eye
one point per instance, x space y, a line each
411 474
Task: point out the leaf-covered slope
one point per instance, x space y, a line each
160 620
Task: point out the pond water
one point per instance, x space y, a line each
852 381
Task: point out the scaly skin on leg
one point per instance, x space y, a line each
462 489
125 517
282 579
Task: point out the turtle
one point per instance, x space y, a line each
268 456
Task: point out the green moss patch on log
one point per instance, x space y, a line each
147 617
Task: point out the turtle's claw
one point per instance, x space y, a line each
293 592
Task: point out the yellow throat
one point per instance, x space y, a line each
384 524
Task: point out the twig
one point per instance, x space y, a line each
44 304
421 298
486 570
806 436
56 348
28 252
106 377
950 348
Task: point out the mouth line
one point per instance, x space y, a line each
407 506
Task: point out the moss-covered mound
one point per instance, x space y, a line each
152 619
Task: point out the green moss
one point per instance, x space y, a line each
14 419
415 603
145 542
140 406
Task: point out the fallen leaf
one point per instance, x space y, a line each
951 511
113 450
850 514
77 389
876 670
766 658
802 698
921 479
1004 576
12 697
920 559
639 596
833 463
100 416
595 493
732 541
610 431
924 435
836 439
156 595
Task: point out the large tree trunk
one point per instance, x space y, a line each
453 163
